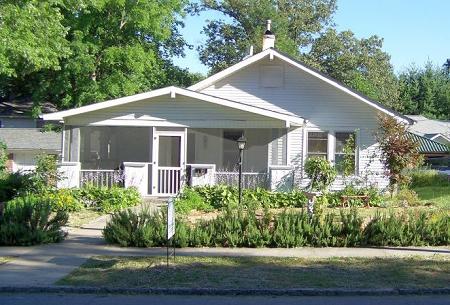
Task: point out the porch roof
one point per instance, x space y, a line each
173 91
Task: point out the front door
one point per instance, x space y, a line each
169 162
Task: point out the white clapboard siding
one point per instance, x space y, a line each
181 110
321 104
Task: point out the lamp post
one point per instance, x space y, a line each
241 146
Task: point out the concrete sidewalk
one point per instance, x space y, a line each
44 265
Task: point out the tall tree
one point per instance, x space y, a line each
295 22
303 29
115 48
358 63
426 91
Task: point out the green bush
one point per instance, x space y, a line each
64 199
408 229
108 199
131 229
12 185
189 200
29 220
375 197
238 227
407 197
222 197
421 178
321 172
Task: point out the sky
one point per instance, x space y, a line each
414 31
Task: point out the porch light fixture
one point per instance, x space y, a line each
241 146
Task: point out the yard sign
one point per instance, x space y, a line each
170 228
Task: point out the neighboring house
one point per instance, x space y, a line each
438 131
434 139
23 137
286 110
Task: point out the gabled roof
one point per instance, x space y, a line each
173 91
428 146
430 128
30 138
272 53
22 107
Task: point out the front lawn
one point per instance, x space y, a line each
262 272
437 195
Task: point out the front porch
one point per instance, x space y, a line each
159 161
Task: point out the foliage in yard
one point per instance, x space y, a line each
13 184
207 198
131 229
399 152
3 158
418 229
421 178
45 177
321 172
240 227
29 220
108 199
63 199
375 197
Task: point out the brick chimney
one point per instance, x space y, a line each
268 38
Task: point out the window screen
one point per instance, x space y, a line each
317 144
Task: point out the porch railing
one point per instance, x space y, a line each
249 180
101 178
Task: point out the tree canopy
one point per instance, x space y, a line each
72 53
76 52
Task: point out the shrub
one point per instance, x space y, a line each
407 197
408 229
108 199
29 220
375 197
189 200
12 185
240 227
64 199
45 176
321 172
222 196
421 178
131 229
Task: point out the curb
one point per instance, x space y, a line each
214 291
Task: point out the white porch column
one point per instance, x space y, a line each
70 174
136 174
281 178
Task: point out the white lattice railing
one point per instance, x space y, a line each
101 177
249 180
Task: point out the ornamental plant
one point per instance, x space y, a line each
321 172
399 152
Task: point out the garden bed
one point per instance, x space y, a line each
262 272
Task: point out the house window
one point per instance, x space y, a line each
317 144
344 141
230 151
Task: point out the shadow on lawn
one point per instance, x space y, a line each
262 272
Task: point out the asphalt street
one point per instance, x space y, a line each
75 299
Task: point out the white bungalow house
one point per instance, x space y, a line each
163 138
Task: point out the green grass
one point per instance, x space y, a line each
437 195
262 272
78 219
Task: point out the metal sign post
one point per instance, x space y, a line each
170 228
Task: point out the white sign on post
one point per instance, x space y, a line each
170 219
